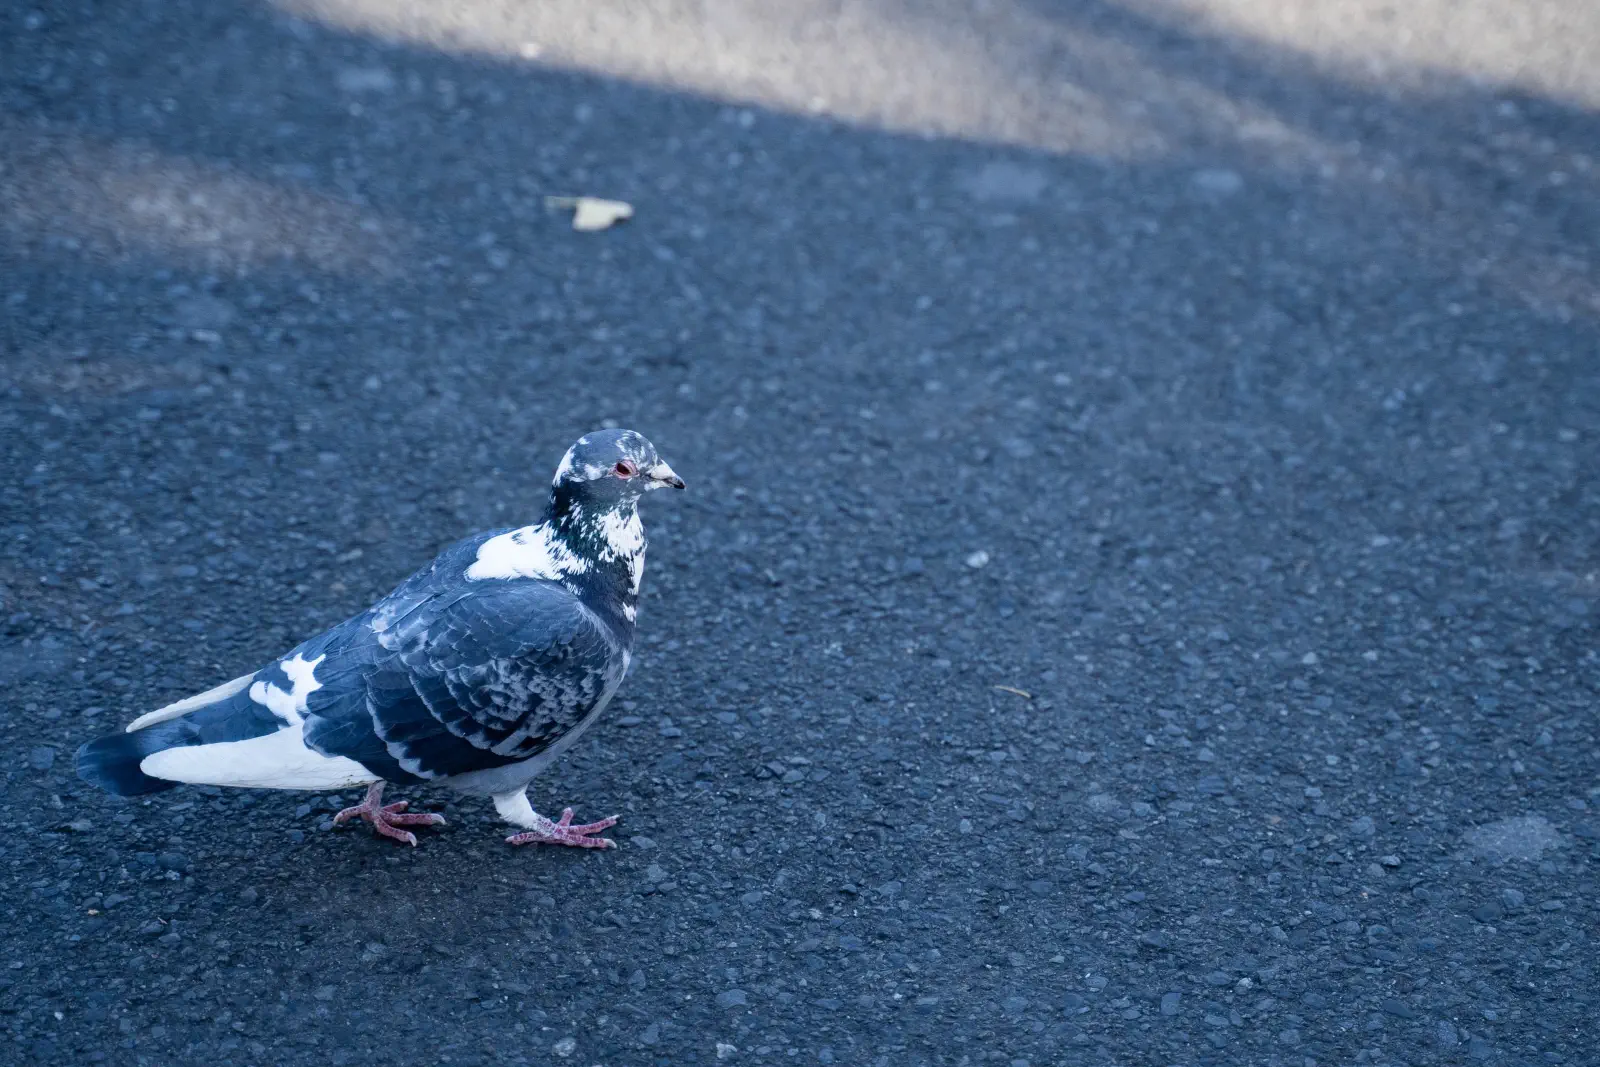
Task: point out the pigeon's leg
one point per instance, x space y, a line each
515 809
386 818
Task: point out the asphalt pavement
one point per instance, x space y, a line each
1136 601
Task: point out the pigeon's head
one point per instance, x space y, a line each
610 467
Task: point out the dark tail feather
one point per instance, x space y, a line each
112 762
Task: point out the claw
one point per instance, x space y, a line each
386 819
562 832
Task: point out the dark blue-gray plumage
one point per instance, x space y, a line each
476 672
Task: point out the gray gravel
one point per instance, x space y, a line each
1250 445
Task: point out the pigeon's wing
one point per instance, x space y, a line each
467 678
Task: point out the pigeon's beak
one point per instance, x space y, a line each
663 475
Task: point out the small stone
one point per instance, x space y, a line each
732 998
651 1034
368 80
977 560
1171 1002
1363 827
41 757
1014 1005
1217 181
1522 837
1390 861
203 313
1446 1035
1398 1008
565 1047
1512 898
1006 181
655 873
1289 1037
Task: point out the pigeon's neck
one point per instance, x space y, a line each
612 541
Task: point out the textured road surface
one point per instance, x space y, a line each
1224 384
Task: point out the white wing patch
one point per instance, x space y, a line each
290 706
194 703
279 760
531 552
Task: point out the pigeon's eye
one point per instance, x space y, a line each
626 468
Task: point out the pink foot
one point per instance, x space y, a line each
562 832
386 818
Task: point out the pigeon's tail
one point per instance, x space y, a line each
112 762
249 733
116 762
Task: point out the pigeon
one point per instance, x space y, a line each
477 672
